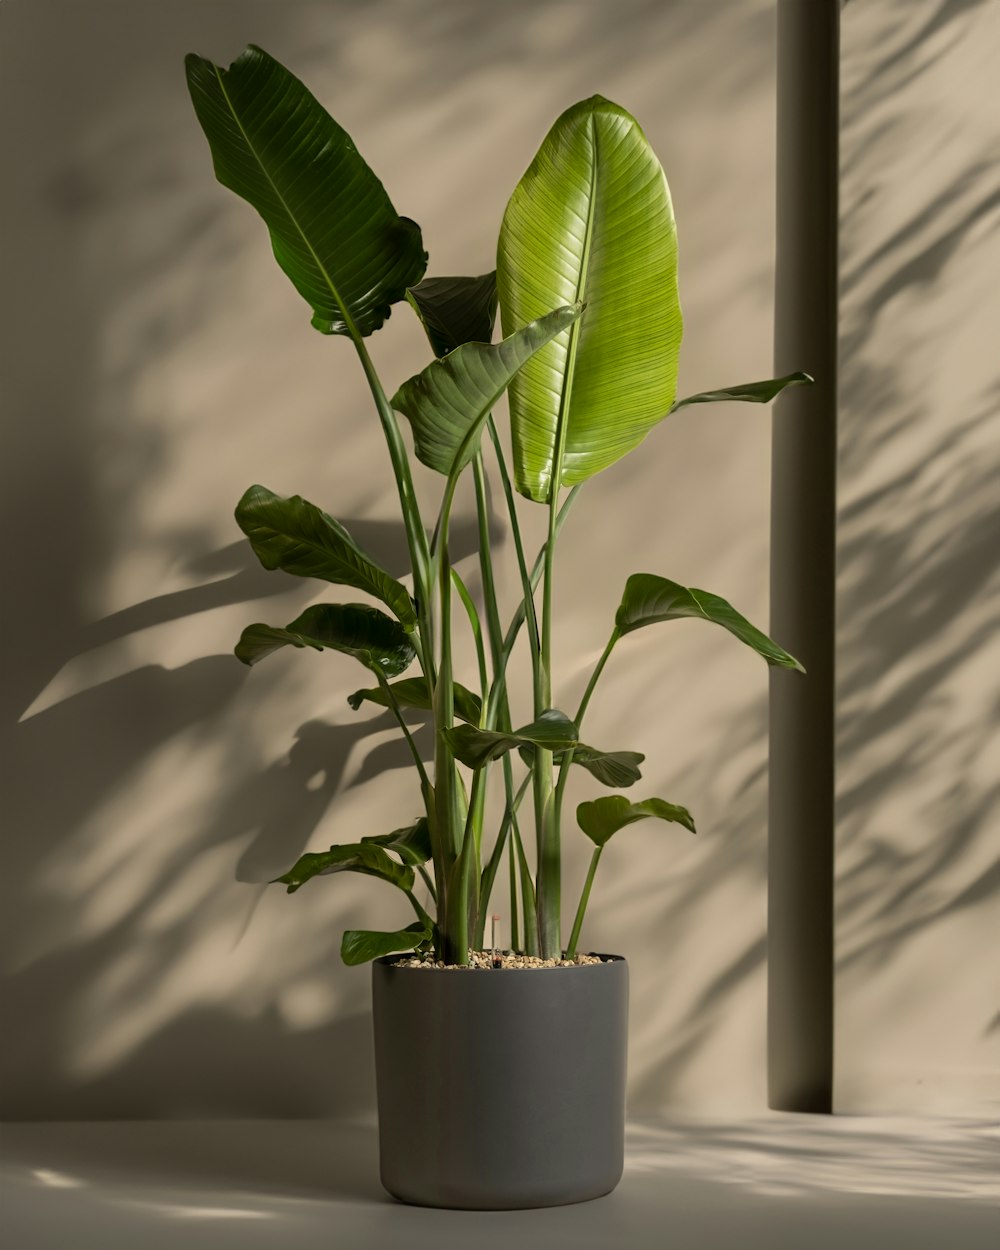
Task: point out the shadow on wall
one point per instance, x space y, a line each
150 781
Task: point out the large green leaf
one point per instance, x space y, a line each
591 221
363 857
296 536
360 946
600 818
456 310
333 228
356 629
413 692
448 402
749 392
553 731
649 599
412 844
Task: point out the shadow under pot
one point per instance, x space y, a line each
500 1089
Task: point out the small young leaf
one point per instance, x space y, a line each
601 818
448 402
454 311
553 731
355 629
412 692
649 599
749 392
412 844
361 857
359 946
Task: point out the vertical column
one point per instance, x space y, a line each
803 518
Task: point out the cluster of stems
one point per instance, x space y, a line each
462 883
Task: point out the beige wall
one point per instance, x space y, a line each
919 650
157 362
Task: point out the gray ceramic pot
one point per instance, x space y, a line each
500 1089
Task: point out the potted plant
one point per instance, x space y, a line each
500 1075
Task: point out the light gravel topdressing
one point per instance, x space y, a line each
484 960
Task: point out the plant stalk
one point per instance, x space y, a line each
574 937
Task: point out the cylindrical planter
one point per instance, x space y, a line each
500 1089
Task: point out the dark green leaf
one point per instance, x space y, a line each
456 310
360 946
412 692
363 857
618 769
553 731
412 844
749 392
649 599
601 818
590 220
448 402
333 229
296 536
351 628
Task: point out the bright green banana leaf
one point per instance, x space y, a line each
448 402
413 692
355 629
360 946
601 818
454 311
363 857
552 731
591 221
333 228
748 393
649 599
296 536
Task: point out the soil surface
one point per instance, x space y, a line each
503 960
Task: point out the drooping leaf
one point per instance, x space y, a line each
454 311
412 843
296 536
649 599
749 392
412 692
618 769
333 228
356 629
591 221
600 818
360 946
363 857
553 731
448 402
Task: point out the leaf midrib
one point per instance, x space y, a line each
562 421
348 321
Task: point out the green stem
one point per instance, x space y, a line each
397 711
477 634
530 943
567 759
490 872
574 937
416 535
421 914
512 865
427 882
